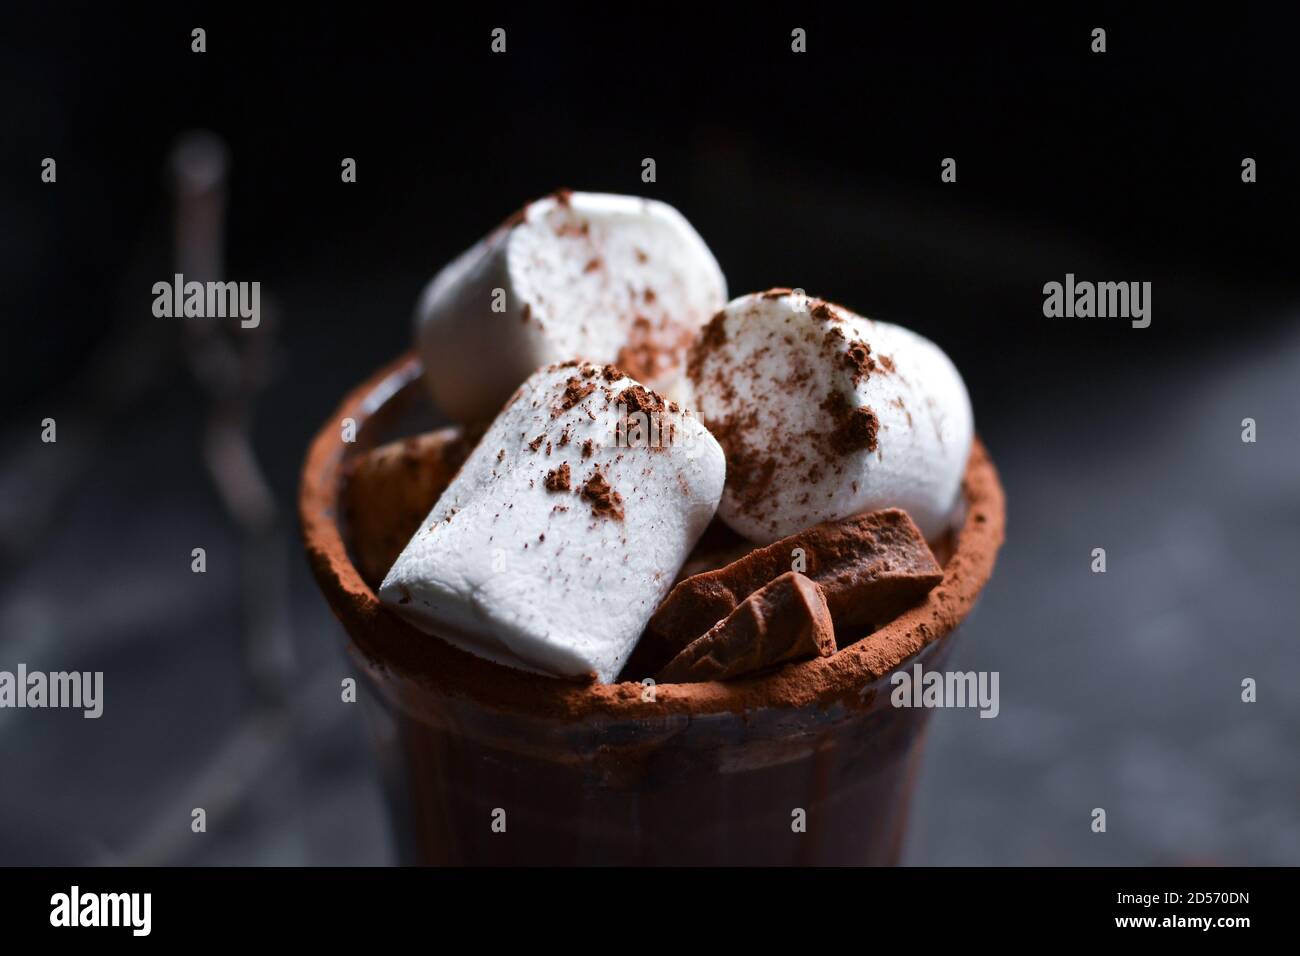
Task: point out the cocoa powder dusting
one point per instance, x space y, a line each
852 429
558 479
749 471
604 500
574 392
640 356
856 432
712 338
859 361
637 398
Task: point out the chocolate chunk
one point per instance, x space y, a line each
786 620
870 567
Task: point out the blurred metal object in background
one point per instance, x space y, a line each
232 364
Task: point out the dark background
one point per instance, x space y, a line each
818 170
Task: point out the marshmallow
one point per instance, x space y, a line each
573 276
565 527
825 414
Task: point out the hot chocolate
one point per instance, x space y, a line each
568 667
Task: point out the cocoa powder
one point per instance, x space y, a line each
639 399
859 361
575 391
823 312
558 479
711 338
851 429
604 500
640 357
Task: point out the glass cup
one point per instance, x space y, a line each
487 765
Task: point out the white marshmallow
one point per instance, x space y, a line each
589 276
825 414
519 566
